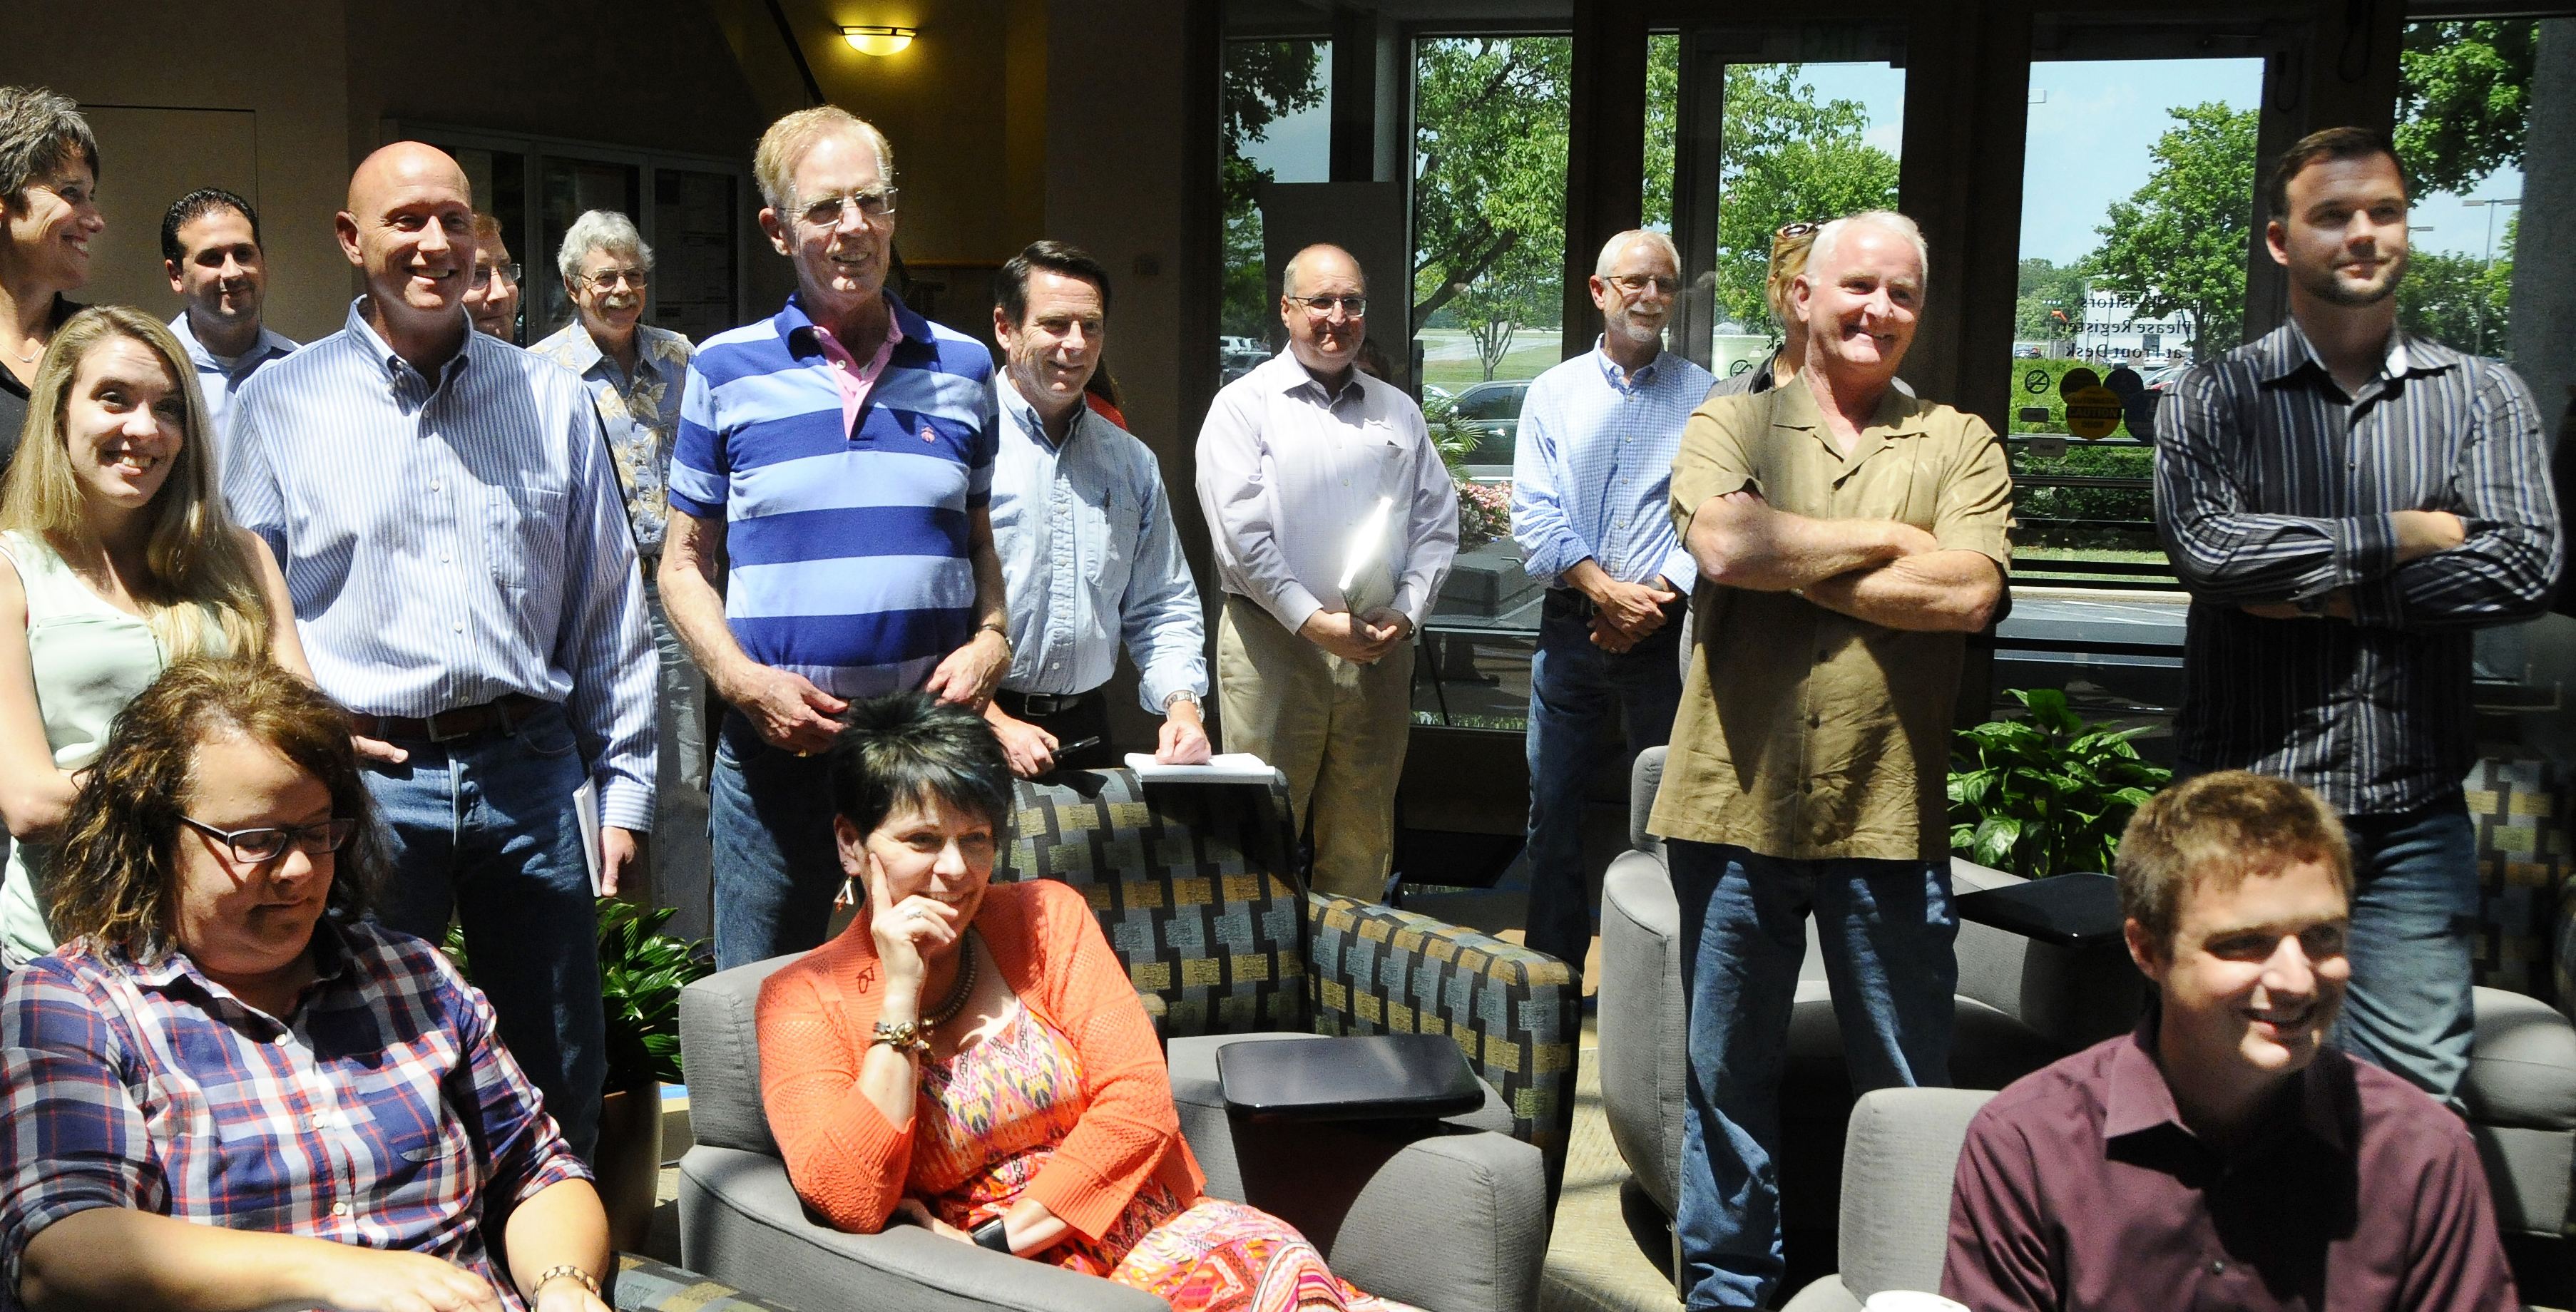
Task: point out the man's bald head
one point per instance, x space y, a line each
405 164
1317 261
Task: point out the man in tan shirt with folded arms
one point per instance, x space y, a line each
1848 537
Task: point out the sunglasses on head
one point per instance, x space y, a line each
1792 231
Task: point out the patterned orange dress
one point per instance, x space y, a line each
988 1119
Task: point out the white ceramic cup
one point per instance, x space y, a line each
1910 1300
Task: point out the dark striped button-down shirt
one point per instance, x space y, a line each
2272 485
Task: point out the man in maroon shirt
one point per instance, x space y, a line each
2221 1155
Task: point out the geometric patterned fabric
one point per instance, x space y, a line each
641 1284
1197 891
2522 861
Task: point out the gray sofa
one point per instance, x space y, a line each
2021 1004
1898 1158
1441 1215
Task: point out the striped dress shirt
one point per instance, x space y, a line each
384 1113
450 541
1593 466
848 541
2272 485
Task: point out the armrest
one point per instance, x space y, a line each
741 1223
1515 1012
640 1284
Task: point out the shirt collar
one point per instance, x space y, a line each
1025 416
796 328
2138 1098
2286 350
1638 381
332 960
364 334
1290 375
271 342
1896 413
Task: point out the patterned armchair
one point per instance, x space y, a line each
1196 890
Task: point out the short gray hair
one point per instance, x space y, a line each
600 230
1831 234
39 133
1611 248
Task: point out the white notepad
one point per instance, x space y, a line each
1223 768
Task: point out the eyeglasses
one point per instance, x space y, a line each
483 274
873 203
606 279
1792 231
1322 307
1635 284
257 846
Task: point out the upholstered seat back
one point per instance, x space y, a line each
1195 886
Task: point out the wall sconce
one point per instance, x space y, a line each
877 39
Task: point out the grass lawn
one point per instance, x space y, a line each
1533 352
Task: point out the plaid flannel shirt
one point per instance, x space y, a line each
153 1088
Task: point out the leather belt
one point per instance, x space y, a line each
1040 703
449 726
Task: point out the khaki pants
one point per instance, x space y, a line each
1336 729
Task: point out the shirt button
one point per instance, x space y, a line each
433 487
460 626
339 1209
1806 785
2217 1268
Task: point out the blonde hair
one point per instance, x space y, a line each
773 162
1788 260
198 577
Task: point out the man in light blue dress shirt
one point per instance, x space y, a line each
1590 476
1089 554
464 582
210 248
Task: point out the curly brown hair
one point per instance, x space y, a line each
115 875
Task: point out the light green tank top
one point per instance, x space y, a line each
90 659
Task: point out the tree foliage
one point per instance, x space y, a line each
1264 82
1786 158
2461 301
1489 172
2179 243
2049 289
2463 96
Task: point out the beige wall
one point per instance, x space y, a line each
152 55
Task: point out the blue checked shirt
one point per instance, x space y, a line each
641 414
2272 485
1090 556
450 541
1593 466
383 1113
849 549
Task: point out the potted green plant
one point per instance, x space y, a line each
2048 794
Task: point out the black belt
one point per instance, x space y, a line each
448 726
1025 704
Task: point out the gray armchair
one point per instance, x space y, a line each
1898 1160
1444 1215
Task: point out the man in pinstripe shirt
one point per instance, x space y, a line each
464 580
2347 502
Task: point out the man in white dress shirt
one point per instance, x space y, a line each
1294 461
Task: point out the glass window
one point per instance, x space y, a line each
697 243
572 187
500 182
1276 126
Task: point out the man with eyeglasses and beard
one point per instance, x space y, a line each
1590 476
1298 459
2347 502
834 473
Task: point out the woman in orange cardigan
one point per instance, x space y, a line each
973 1059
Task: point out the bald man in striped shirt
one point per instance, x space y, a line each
2348 502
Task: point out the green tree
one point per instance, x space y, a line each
2179 243
2049 289
2463 96
2460 301
1489 169
1264 81
1785 158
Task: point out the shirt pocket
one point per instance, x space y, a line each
524 538
1110 554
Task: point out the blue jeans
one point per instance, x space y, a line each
485 826
2414 927
776 867
1887 929
1575 690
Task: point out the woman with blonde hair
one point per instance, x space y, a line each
120 559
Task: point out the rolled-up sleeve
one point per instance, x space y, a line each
72 1135
1160 617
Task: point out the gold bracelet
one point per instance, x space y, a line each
902 1036
566 1269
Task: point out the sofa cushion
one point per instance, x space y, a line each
1644 1054
1900 1157
720 1053
2523 1069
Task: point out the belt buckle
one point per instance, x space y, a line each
429 729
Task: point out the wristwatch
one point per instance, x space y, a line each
1183 695
992 1235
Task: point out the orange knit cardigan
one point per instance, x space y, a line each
848 1162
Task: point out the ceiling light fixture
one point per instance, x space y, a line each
877 39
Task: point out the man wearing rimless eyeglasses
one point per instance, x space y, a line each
1295 462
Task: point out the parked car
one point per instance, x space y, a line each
1492 411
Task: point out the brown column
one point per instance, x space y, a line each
1605 161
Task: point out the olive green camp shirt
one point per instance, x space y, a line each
1805 734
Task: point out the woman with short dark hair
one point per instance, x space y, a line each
49 210
227 1091
971 1058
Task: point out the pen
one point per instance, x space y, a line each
1068 749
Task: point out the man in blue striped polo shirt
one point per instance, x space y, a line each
1590 474
838 458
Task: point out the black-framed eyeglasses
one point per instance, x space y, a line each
257 846
1323 306
607 279
872 204
483 274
